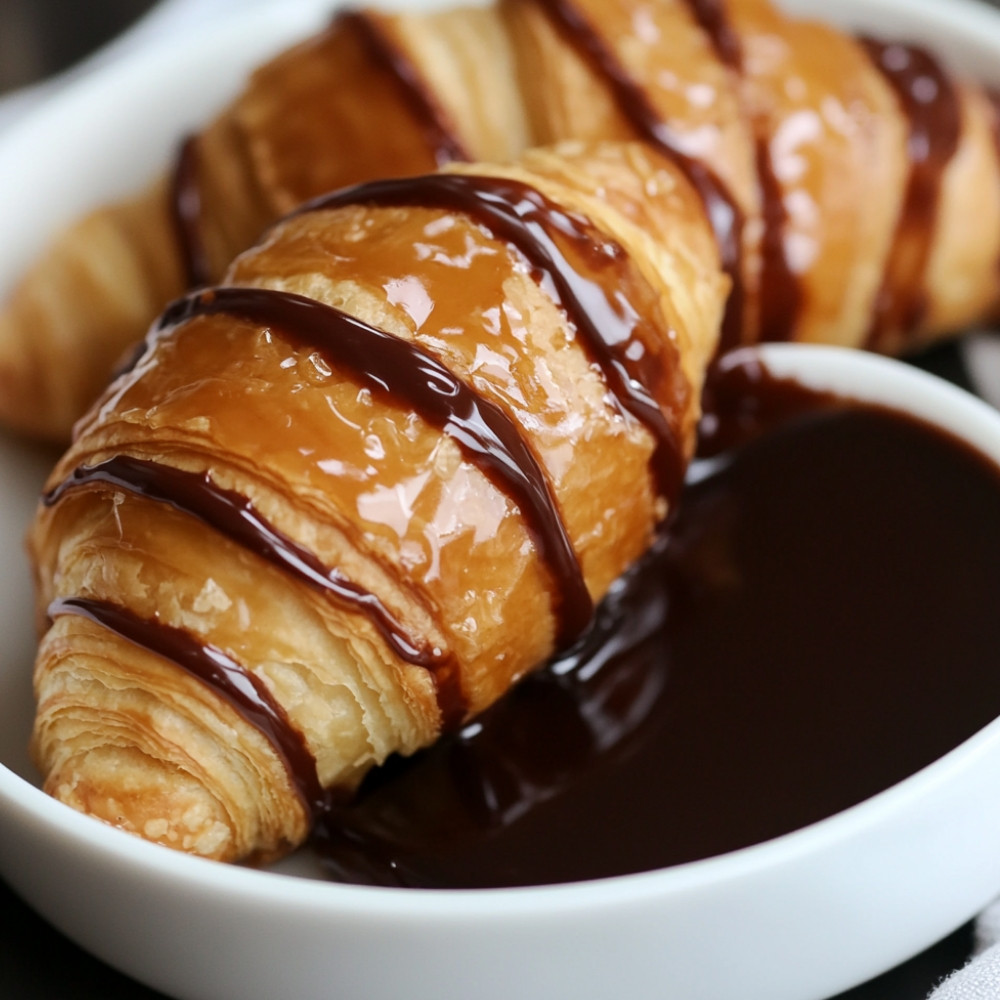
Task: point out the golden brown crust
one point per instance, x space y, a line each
150 758
662 52
363 483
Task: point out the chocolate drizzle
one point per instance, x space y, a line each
241 689
929 100
571 258
711 18
780 288
439 131
405 372
186 208
724 214
780 292
232 514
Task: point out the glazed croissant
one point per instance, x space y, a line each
853 186
345 500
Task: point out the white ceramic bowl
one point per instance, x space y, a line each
798 918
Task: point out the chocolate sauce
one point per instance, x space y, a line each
185 208
929 100
724 214
439 131
241 689
588 274
407 373
819 624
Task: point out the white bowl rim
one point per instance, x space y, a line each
809 364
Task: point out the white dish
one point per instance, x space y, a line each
798 918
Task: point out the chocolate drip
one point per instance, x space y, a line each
742 402
388 365
231 514
431 821
780 288
439 131
930 102
216 668
572 258
712 19
185 207
724 214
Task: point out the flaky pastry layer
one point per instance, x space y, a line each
261 410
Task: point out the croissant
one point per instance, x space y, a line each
341 502
852 185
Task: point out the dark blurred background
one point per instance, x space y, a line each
41 37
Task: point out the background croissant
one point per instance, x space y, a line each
346 500
853 186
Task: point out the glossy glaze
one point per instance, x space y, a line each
349 366
389 366
611 306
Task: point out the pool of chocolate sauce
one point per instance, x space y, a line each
819 623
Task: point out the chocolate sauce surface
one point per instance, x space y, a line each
819 623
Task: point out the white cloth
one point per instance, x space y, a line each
980 979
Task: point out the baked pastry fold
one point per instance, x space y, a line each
850 207
344 500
